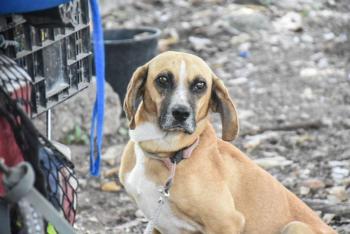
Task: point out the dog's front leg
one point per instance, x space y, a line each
233 224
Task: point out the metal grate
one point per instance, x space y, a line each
57 58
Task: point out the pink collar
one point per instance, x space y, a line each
179 155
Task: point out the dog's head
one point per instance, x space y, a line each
179 89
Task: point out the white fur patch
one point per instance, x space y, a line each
180 92
146 131
146 194
182 72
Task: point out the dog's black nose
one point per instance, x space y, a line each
180 112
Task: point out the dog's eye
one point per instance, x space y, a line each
163 81
198 86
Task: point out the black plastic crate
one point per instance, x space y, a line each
57 57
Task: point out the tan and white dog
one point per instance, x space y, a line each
216 190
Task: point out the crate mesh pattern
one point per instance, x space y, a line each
58 59
54 173
61 182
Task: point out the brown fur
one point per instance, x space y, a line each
218 187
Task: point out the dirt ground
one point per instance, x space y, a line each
285 64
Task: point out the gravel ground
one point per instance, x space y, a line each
285 64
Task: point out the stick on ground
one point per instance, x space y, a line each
287 127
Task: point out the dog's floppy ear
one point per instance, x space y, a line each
134 92
222 103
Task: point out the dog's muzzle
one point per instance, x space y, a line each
178 118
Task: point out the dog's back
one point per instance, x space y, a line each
265 203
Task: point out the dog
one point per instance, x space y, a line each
215 188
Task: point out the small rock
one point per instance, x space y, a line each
220 72
291 21
304 115
172 39
241 38
317 56
186 25
331 2
346 182
308 72
274 39
123 131
139 214
112 153
220 26
93 183
237 81
339 173
253 141
307 93
275 49
305 173
93 219
345 123
343 37
314 184
110 187
327 218
199 43
289 182
111 172
336 163
247 19
304 190
328 36
272 162
82 182
246 124
322 63
245 114
327 122
287 4
337 194
307 38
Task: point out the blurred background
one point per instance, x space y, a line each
285 65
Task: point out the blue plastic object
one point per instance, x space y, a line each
98 111
244 54
23 6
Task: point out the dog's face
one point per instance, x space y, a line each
179 89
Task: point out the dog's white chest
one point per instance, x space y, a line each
146 194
